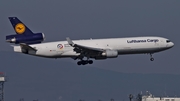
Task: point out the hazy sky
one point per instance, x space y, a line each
83 19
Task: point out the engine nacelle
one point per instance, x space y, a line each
108 54
28 39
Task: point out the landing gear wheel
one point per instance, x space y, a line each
90 62
79 63
84 62
152 59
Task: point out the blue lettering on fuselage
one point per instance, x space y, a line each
152 40
135 41
142 41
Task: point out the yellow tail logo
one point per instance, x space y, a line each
20 28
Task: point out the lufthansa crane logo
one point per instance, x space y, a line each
20 28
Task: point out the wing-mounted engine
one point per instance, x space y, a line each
28 39
91 52
108 54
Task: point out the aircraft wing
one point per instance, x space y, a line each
84 49
27 47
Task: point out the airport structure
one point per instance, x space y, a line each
150 97
2 80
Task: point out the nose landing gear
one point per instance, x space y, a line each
152 59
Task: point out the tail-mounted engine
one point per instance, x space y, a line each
28 39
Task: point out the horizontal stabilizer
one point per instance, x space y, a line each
27 47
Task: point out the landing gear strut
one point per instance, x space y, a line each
84 62
152 59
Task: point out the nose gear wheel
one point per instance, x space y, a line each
152 59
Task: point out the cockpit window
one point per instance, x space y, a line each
168 41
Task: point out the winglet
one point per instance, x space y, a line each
69 41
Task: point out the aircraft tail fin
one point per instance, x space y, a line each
20 27
23 33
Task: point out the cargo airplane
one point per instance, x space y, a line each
84 50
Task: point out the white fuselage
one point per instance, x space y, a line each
132 45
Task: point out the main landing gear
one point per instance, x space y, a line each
152 59
84 62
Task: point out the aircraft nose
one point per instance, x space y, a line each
171 44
